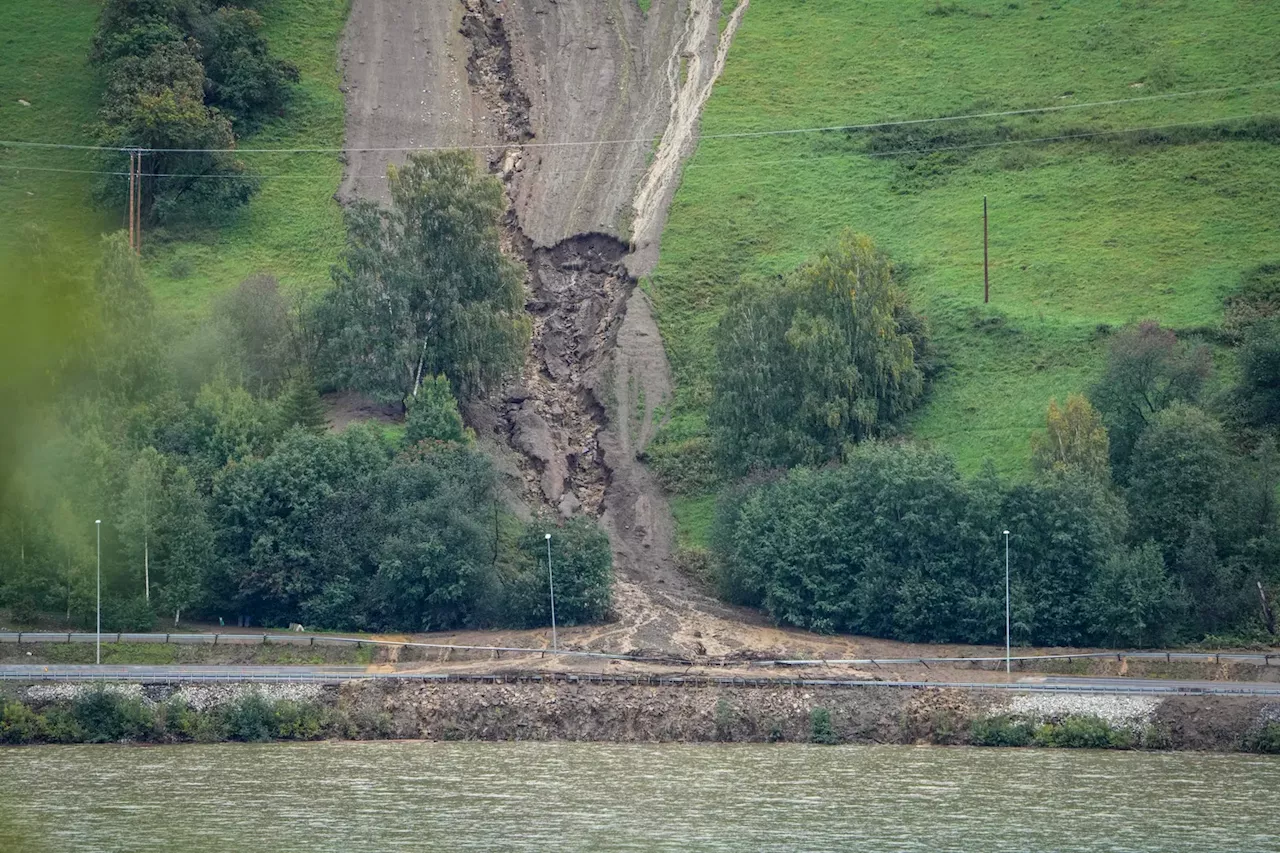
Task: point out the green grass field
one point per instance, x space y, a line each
292 228
1096 230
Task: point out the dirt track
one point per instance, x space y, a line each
586 109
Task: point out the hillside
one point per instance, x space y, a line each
292 227
1086 233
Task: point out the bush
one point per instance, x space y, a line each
18 724
1001 731
582 564
300 720
1086 732
250 718
105 716
1265 740
820 728
59 725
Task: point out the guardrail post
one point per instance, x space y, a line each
68 636
215 639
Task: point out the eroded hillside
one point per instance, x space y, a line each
586 110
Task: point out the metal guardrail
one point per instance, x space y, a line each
298 639
302 639
88 674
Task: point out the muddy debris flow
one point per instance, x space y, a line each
553 92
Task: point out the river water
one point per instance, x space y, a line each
570 796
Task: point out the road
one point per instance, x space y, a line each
339 674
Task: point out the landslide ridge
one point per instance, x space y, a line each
586 109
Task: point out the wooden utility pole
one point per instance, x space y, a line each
137 205
132 158
986 275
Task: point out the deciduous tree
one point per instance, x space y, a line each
827 360
423 287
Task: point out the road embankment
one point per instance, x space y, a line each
586 711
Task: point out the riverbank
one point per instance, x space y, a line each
558 711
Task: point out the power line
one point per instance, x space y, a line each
716 165
746 134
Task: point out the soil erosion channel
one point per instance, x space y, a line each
586 109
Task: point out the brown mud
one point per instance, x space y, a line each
586 109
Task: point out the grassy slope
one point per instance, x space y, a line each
43 60
292 228
1082 232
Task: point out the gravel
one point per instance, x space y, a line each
197 696
1131 712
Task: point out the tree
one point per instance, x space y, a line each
893 544
423 288
1148 369
156 101
1134 602
435 559
127 355
244 80
1181 469
1074 440
828 360
189 545
1064 527
140 502
1258 388
433 414
269 511
262 332
582 568
301 407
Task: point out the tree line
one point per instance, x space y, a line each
1151 518
207 455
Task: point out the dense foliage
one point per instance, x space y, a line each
894 543
223 494
830 358
424 288
184 74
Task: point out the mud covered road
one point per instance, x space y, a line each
586 109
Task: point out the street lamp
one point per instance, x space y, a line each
551 583
1007 669
98 644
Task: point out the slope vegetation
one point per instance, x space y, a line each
1087 232
292 227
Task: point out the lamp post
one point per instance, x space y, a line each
551 583
1007 668
98 643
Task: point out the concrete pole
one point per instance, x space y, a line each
98 642
1007 668
551 582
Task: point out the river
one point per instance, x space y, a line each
570 796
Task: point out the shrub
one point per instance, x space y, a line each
106 717
820 728
18 724
1085 732
1001 731
1265 740
299 720
250 718
59 725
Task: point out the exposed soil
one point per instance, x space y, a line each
565 100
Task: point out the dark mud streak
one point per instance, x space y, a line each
577 293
